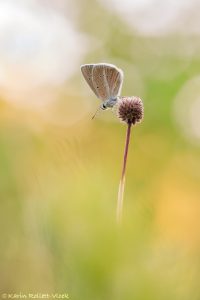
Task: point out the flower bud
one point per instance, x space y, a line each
130 110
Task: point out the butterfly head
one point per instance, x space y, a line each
109 103
103 106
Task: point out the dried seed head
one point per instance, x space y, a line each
130 110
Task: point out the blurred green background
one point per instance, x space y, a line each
59 171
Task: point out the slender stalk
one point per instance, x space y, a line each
122 181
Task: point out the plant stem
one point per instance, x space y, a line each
122 181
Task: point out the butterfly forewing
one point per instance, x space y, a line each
105 80
100 82
87 71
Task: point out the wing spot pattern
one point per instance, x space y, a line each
104 80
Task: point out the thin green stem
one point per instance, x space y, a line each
122 181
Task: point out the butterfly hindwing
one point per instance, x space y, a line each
116 84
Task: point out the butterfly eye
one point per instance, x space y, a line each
103 106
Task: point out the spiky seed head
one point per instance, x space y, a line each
130 110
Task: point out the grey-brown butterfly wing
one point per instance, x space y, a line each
114 78
87 71
95 76
104 79
107 80
100 81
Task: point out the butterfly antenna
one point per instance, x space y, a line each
97 111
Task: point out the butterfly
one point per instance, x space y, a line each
105 80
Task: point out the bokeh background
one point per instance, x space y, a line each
59 171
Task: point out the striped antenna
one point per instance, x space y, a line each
97 111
